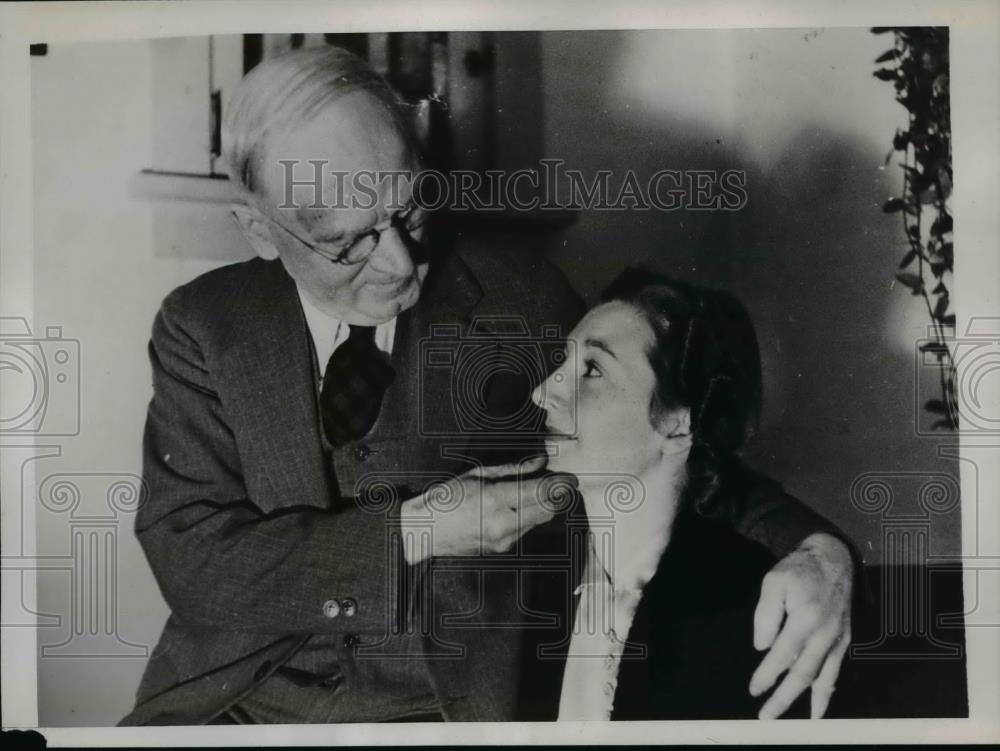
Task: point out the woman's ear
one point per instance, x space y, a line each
676 431
255 230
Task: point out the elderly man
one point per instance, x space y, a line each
326 556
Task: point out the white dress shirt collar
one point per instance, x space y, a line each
328 332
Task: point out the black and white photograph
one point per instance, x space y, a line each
566 371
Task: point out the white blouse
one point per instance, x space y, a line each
609 596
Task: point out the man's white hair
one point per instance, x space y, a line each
288 90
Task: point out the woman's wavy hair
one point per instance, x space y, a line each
706 358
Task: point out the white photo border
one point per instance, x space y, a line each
975 57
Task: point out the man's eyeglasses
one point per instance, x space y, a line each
359 248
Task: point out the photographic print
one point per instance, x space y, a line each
528 373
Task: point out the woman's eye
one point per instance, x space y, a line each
590 369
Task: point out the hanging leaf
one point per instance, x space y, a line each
941 308
936 406
921 182
934 347
917 67
908 259
947 253
912 281
942 224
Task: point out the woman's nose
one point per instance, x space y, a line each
549 393
537 396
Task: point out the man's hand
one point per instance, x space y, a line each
812 586
484 510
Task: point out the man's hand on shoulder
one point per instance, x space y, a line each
484 510
803 619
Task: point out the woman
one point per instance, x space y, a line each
661 389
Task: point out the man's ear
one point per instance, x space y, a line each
255 230
675 427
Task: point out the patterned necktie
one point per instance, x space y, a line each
356 377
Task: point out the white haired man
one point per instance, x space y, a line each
288 461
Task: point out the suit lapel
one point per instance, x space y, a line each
451 291
274 393
274 390
449 295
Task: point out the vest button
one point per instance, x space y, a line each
351 641
361 452
349 606
331 608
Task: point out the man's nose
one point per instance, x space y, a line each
392 254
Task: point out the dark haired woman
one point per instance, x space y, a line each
661 389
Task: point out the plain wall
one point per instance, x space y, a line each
812 256
100 274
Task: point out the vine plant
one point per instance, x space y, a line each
917 65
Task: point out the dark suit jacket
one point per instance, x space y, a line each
249 531
689 653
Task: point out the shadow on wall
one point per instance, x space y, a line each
811 253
